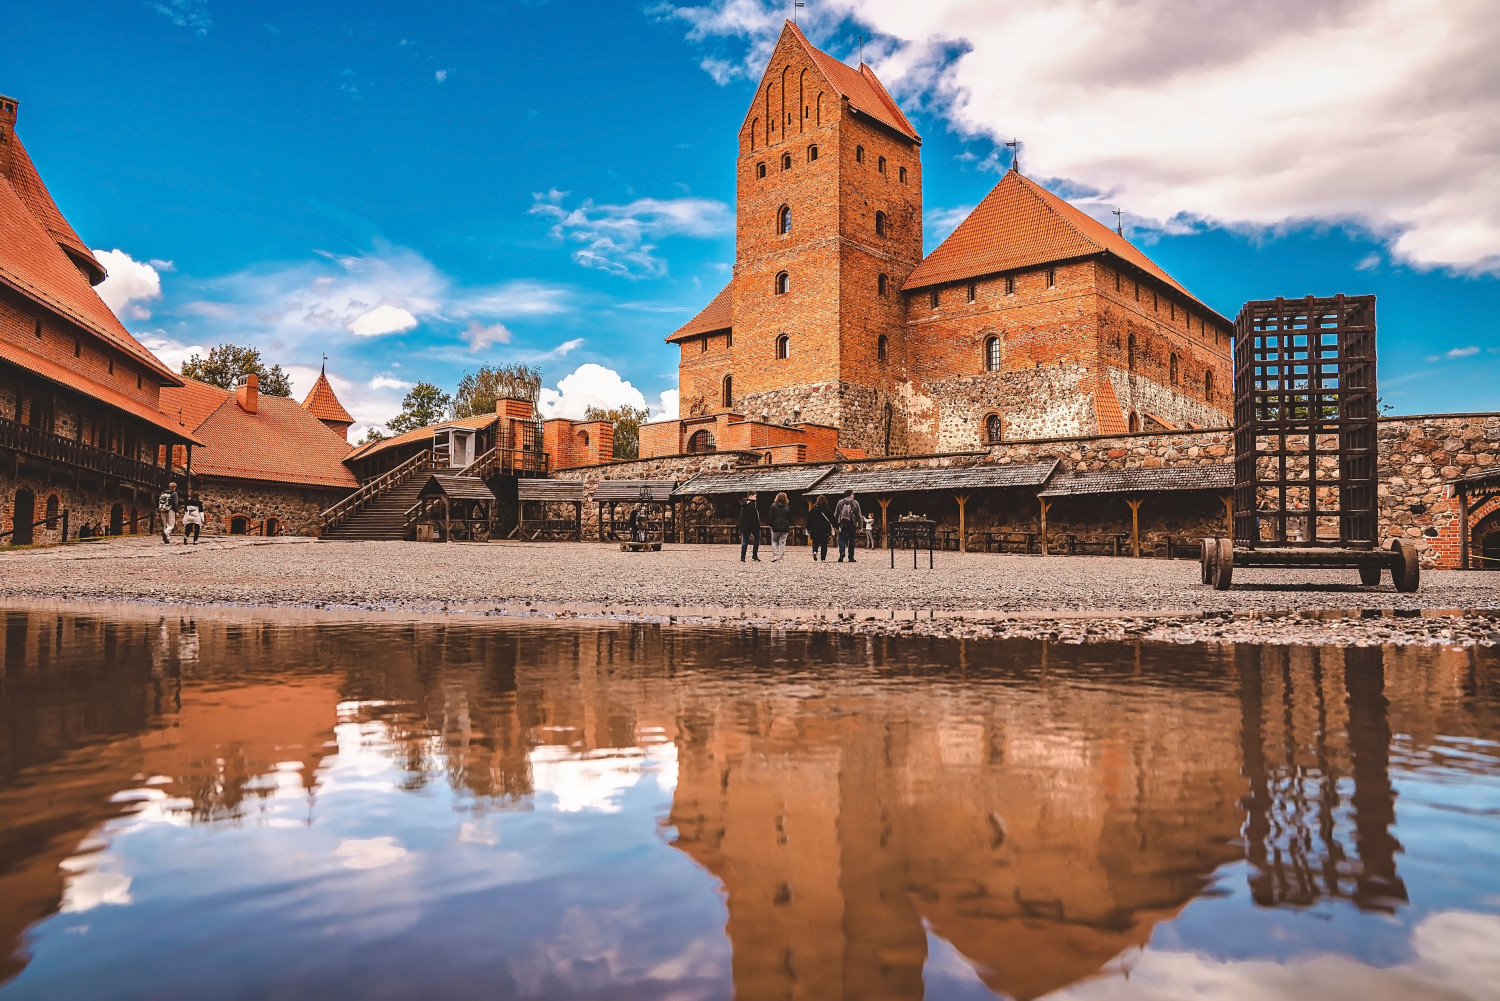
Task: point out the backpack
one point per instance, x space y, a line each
164 502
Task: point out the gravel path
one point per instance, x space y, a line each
967 594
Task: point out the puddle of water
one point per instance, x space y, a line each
246 805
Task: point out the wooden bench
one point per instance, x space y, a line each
1025 542
1109 545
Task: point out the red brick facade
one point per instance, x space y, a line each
830 317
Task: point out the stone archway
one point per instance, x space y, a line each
239 525
1484 541
117 520
23 515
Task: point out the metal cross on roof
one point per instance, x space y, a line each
795 5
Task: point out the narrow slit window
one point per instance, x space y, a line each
1052 278
729 391
901 174
760 170
859 154
880 164
812 153
932 297
784 220
1010 284
1172 368
970 293
783 283
783 347
880 348
880 284
1208 385
880 224
39 328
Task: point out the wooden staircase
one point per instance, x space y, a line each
382 518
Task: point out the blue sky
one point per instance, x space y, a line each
418 189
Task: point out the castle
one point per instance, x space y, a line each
836 338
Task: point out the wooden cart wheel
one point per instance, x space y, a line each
1369 575
1223 565
1406 572
1206 559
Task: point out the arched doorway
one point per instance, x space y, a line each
1486 542
53 509
273 526
117 520
239 525
701 441
22 515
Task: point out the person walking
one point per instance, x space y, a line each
846 518
780 520
820 527
167 505
192 519
749 528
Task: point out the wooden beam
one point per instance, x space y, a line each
1228 500
1045 506
963 535
885 507
1463 526
1135 526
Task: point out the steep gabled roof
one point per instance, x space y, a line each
1021 224
32 263
36 197
279 443
861 87
717 315
323 404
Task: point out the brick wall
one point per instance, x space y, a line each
86 505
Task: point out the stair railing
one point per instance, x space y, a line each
375 488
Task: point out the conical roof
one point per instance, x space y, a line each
324 404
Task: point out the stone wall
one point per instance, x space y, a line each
86 503
296 509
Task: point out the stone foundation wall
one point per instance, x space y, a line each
85 503
1140 395
859 412
295 508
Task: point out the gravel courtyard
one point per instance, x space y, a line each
976 594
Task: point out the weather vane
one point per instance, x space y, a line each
1015 160
795 5
1119 222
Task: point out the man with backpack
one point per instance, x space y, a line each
847 518
167 505
749 528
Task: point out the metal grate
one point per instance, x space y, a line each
1305 423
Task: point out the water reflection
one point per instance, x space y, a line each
458 808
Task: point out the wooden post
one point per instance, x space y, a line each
885 507
1135 527
1228 500
447 520
520 519
578 520
963 534
1045 505
1463 526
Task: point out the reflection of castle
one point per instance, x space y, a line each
1040 808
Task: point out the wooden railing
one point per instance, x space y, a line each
375 488
47 523
55 448
516 461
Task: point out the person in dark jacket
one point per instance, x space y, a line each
749 528
847 518
820 527
780 520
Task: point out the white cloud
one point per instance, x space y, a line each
1463 352
620 238
589 385
390 382
481 336
939 224
186 14
171 352
383 319
130 283
1379 114
666 409
440 75
565 347
515 300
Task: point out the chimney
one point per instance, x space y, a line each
247 392
7 133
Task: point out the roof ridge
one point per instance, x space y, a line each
1046 198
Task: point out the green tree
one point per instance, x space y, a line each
372 434
424 406
627 421
478 391
228 362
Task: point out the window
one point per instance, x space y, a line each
77 349
932 297
783 347
969 293
111 366
729 391
760 170
992 429
812 153
39 328
1051 277
1117 281
786 161
784 220
1155 302
880 164
880 224
901 174
1010 284
701 441
992 354
881 345
728 339
137 382
1130 352
880 284
703 344
1171 310
1135 421
1137 291
859 154
1172 368
1208 385
783 283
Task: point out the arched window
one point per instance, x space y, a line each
783 283
760 170
901 174
812 153
51 511
701 441
1130 352
1172 368
859 154
992 354
729 391
881 346
1135 421
992 429
1208 385
783 346
784 220
880 224
880 164
786 161
880 284
971 292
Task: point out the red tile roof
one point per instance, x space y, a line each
365 451
32 263
717 315
29 186
865 92
103 392
1021 224
323 404
279 443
